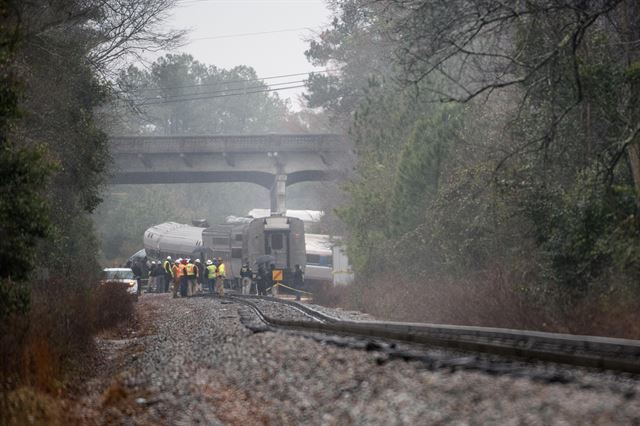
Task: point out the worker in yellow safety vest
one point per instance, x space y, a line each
168 274
184 277
176 272
192 271
211 275
220 276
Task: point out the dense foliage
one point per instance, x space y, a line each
54 56
491 138
180 96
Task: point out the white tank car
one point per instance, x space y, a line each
175 240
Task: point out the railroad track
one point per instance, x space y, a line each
584 351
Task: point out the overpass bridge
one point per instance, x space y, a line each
273 161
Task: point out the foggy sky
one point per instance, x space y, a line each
270 54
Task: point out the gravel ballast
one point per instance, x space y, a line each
197 364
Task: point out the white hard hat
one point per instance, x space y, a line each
197 260
209 262
168 257
153 262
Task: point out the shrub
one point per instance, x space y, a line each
58 327
329 295
490 299
112 305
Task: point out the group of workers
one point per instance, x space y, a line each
188 277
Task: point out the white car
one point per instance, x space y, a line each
122 275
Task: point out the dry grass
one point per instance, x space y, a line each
27 406
41 348
490 303
612 315
113 305
492 299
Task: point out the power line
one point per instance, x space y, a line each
251 34
240 91
150 89
192 2
221 95
236 89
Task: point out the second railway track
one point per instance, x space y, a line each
603 353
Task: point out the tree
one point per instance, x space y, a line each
536 47
181 96
536 179
23 171
421 167
54 58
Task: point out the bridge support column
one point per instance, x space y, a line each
278 195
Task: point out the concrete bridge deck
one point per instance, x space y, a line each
273 161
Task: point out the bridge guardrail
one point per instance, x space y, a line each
227 144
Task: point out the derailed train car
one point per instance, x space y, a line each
278 240
327 261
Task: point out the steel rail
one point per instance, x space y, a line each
307 310
584 351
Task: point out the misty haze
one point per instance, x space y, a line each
337 212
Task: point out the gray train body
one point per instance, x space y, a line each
279 238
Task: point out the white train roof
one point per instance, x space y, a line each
318 244
304 215
173 237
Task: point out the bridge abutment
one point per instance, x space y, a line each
279 194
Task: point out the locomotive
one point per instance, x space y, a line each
278 240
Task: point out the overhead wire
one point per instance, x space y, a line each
192 2
222 95
219 83
251 34
227 90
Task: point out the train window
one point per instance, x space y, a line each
220 241
319 260
238 237
236 253
277 241
223 254
326 261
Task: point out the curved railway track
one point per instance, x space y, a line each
585 351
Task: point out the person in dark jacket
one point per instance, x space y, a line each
261 280
137 272
201 274
246 274
298 280
154 274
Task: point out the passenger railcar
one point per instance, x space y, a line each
319 259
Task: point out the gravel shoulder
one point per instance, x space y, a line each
193 362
